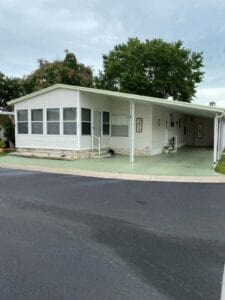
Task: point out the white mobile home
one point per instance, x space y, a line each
76 121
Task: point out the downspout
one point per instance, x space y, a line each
220 150
217 139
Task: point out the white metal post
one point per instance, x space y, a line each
215 147
219 139
78 120
132 112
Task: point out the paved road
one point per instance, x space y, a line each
68 237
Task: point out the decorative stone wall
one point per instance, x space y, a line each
137 152
54 153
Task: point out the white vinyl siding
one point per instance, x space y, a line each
58 98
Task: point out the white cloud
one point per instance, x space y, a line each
44 28
206 95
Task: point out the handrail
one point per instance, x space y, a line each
98 138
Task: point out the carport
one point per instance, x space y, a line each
198 115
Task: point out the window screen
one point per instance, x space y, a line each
86 121
53 121
119 125
106 123
37 121
22 121
69 121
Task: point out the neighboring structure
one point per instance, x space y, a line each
75 121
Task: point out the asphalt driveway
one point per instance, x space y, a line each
68 237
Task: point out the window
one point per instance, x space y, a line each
86 121
70 121
37 121
119 125
53 121
171 120
22 121
105 123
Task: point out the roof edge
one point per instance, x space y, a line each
116 94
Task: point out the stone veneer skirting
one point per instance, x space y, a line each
54 153
71 154
137 152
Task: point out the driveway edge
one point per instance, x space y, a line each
120 176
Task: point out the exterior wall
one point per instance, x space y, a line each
162 132
156 131
223 135
55 99
207 139
192 138
120 144
142 140
94 102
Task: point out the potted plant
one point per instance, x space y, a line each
2 146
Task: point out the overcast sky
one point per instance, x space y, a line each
32 29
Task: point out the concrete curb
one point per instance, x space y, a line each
120 176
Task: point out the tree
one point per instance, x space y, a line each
67 71
10 88
152 68
9 130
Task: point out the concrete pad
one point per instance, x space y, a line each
187 165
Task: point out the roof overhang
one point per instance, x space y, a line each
6 113
184 107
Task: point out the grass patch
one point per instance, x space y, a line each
220 168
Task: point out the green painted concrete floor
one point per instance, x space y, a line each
186 162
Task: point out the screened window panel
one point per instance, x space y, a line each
86 128
119 130
37 115
53 128
120 119
105 117
53 114
86 114
22 127
22 115
69 114
105 129
70 128
37 128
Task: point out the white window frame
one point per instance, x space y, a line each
69 121
40 122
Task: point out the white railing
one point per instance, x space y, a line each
97 145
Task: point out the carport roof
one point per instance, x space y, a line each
184 107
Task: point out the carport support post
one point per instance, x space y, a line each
215 147
132 112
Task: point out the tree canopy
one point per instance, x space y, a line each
67 71
10 88
152 68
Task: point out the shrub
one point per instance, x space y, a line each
2 144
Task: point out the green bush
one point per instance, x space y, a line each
9 130
2 144
220 168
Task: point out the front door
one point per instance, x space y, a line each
97 127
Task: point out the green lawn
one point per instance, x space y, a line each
220 168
